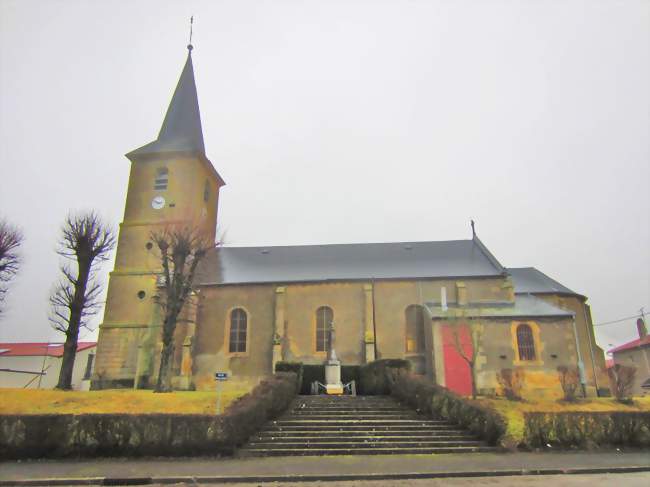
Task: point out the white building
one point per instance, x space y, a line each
37 365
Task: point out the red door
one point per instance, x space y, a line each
458 376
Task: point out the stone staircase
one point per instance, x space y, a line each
357 425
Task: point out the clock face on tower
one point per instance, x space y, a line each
158 202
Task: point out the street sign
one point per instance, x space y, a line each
220 377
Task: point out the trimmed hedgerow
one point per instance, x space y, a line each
587 429
350 373
295 367
267 401
439 402
310 373
64 435
374 378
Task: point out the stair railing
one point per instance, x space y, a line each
317 388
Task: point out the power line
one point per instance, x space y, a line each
619 320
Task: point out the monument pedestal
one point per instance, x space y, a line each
333 383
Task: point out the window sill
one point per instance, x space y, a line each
534 363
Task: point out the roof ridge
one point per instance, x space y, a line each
493 260
413 242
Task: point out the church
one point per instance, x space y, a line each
256 306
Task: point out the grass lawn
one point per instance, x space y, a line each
31 401
514 411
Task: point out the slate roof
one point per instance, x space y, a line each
23 349
524 306
530 280
181 130
337 262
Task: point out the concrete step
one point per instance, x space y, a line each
259 452
356 442
353 427
351 422
359 416
341 402
326 425
359 436
350 409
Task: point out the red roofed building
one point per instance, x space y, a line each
636 354
36 365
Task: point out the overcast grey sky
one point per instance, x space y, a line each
346 121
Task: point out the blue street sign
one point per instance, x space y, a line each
221 376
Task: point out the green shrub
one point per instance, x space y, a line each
295 367
351 373
373 377
312 373
587 429
436 401
267 401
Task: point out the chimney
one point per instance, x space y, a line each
640 326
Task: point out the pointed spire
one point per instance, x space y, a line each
181 129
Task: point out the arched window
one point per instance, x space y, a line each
162 178
324 319
525 342
414 329
238 328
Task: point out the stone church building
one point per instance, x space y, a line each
255 306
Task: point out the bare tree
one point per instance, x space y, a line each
475 334
181 247
86 241
569 381
512 383
622 378
10 239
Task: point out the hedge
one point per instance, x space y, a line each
587 429
373 377
64 435
438 402
296 368
310 373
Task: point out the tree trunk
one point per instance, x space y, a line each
72 334
164 383
67 363
473 374
164 379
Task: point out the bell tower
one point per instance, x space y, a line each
171 181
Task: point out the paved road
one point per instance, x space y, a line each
291 468
592 480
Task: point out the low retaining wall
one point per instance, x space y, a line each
62 435
587 430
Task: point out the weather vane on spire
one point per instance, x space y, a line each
190 46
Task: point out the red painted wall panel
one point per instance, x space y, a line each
458 377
